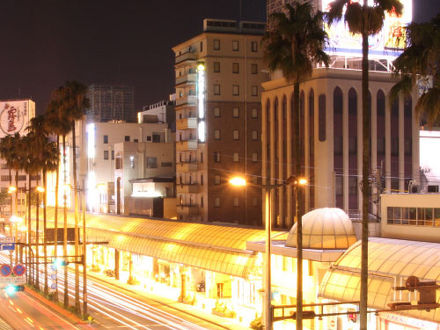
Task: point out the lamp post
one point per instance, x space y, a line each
238 181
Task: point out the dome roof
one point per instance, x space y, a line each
325 228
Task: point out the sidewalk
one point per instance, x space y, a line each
184 308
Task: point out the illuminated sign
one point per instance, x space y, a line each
201 101
12 116
387 43
90 140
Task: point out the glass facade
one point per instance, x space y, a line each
415 216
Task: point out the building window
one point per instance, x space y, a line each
201 46
216 157
235 68
254 114
118 164
156 137
235 134
254 90
105 154
148 138
217 112
235 45
166 164
217 179
217 202
254 46
105 139
217 134
235 112
216 66
113 154
216 89
235 90
255 201
235 157
255 157
151 162
254 135
216 44
132 161
254 68
321 118
127 138
236 202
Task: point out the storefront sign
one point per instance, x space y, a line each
12 115
409 321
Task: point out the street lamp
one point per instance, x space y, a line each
238 181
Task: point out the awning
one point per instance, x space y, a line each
211 247
390 263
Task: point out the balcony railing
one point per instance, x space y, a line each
188 99
185 57
189 78
191 188
186 145
186 123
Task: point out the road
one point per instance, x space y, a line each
110 306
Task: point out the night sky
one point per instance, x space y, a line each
46 42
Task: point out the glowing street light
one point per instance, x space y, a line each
40 189
239 181
12 189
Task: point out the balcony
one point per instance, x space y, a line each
186 123
186 145
191 188
188 210
187 166
185 57
189 78
187 100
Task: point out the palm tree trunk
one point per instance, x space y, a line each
18 213
37 239
75 192
297 162
44 230
57 184
66 284
366 119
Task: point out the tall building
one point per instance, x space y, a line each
218 119
108 102
331 127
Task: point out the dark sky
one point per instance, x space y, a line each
46 42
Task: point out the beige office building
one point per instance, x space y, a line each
218 118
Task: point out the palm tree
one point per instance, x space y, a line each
364 20
58 124
74 103
420 62
294 44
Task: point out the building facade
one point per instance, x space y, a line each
110 102
331 140
218 78
160 112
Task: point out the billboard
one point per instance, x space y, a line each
389 42
15 116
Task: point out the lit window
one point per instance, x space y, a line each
254 46
216 112
217 179
236 134
216 89
255 157
235 157
235 68
216 66
254 113
254 68
254 135
217 134
132 161
235 113
235 90
216 44
235 45
254 90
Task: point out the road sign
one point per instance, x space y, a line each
19 270
5 270
7 247
12 280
